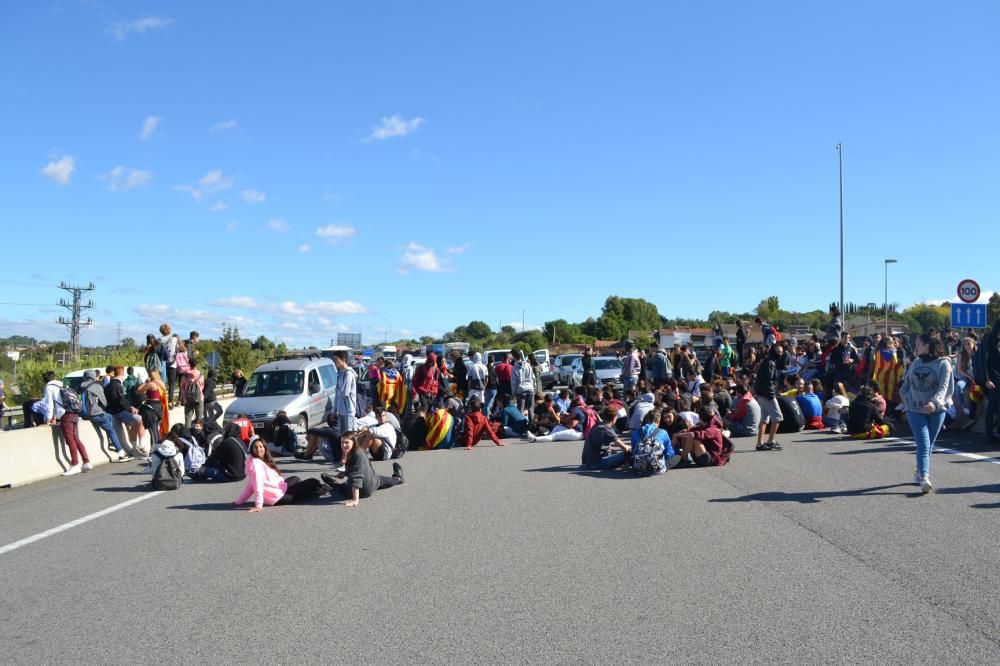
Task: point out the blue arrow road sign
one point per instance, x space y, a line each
968 315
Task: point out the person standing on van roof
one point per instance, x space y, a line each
345 400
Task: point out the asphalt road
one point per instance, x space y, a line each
820 553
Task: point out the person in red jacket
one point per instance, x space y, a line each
704 442
425 382
477 426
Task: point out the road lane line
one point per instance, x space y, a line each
74 523
940 449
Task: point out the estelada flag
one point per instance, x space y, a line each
440 427
888 373
392 390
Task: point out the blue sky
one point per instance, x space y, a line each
413 166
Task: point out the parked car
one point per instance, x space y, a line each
73 379
607 368
541 355
301 387
561 367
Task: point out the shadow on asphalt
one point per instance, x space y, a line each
126 489
324 501
991 488
583 471
888 447
815 497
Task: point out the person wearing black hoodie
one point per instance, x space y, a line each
213 410
992 372
766 390
863 418
227 462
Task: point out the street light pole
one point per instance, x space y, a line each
840 157
886 302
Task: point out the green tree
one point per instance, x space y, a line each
928 316
479 330
236 352
993 308
263 344
128 343
769 308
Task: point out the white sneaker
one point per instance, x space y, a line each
75 469
531 437
925 485
87 467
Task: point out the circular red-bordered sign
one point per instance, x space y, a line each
969 291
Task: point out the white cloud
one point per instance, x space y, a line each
174 316
332 197
984 297
122 29
335 232
336 308
121 178
236 302
149 126
394 125
231 226
254 196
290 307
218 205
459 249
278 224
516 325
212 182
305 247
224 126
420 258
60 170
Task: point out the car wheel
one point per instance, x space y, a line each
304 421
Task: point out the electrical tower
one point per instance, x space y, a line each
74 323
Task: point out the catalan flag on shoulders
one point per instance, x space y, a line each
391 390
888 373
440 429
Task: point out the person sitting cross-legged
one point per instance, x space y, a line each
704 444
477 426
599 450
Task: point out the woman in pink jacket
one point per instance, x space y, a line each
265 485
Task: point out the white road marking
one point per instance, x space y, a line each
940 449
79 521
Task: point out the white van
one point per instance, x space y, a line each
541 355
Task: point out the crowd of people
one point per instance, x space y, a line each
672 407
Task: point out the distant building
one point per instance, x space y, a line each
862 326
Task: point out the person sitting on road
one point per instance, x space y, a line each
792 419
414 426
811 407
603 448
836 409
383 436
744 419
567 431
227 460
650 428
265 484
561 401
164 450
704 445
362 480
863 418
644 406
512 421
545 416
477 426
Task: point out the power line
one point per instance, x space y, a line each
74 323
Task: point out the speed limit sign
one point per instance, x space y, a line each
968 291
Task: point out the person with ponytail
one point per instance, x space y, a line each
926 392
362 480
265 484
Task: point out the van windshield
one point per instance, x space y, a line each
279 382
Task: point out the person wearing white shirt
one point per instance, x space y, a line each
69 422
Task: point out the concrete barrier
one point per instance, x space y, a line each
32 454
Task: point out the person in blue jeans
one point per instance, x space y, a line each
95 404
603 448
926 390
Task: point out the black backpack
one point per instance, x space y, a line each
70 401
193 395
402 444
169 475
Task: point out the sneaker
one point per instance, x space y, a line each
397 471
87 467
773 446
531 437
124 457
762 447
340 469
75 469
925 485
329 480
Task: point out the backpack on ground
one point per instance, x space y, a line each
193 395
402 444
70 401
647 455
169 475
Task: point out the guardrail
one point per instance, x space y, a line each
12 418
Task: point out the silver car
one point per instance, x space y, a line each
562 367
607 368
301 387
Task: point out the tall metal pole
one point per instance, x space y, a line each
886 305
840 157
